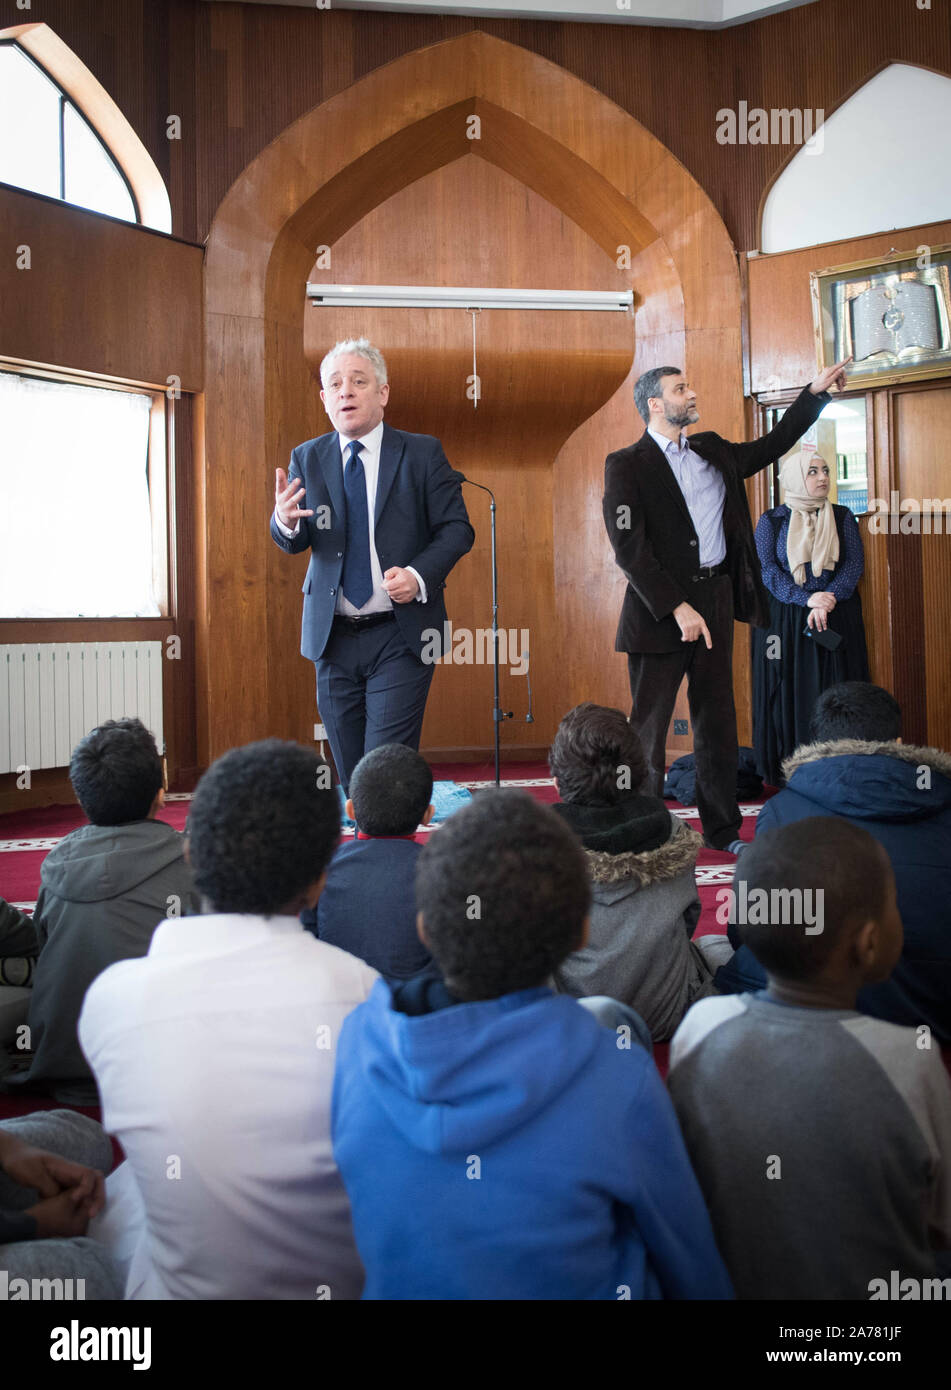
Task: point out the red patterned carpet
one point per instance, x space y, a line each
27 837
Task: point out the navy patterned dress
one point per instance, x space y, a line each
789 674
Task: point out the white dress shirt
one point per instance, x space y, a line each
379 601
704 493
215 1056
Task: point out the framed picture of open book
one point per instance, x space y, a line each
891 316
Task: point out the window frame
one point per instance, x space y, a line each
160 475
64 99
766 483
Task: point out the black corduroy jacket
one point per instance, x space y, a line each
654 540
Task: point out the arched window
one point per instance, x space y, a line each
61 134
49 147
877 163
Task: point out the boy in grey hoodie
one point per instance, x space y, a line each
104 890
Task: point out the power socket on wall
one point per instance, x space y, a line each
320 733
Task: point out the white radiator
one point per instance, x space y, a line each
53 693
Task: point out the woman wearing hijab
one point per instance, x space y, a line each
811 555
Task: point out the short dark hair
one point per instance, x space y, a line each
845 862
503 890
390 788
263 825
648 385
856 709
116 772
593 746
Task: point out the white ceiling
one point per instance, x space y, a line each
684 14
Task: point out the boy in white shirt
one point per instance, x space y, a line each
214 1054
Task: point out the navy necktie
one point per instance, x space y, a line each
357 578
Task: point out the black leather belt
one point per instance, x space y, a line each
361 624
709 572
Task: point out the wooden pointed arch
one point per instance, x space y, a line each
321 176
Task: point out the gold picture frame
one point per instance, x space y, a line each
891 315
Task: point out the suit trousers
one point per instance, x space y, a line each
371 690
655 679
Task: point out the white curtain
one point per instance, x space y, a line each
75 525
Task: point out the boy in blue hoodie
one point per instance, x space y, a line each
497 1142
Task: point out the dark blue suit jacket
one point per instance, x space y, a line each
420 519
368 906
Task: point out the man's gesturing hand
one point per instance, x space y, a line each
400 584
691 624
287 496
831 376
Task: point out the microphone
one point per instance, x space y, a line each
461 478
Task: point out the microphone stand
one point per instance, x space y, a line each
498 714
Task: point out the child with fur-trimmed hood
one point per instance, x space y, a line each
859 769
641 863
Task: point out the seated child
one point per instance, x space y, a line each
858 768
104 889
641 862
18 952
51 1184
215 1054
496 1141
368 906
821 1137
17 937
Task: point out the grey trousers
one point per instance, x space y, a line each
81 1140
715 949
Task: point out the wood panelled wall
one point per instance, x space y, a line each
238 74
103 298
779 304
385 175
100 296
541 375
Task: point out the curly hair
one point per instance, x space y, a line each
503 891
263 826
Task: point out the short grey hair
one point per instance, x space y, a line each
648 385
360 347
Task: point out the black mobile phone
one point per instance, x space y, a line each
832 641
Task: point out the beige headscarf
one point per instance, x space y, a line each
812 533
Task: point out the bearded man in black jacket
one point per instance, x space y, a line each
679 523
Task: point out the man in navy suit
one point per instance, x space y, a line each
385 523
